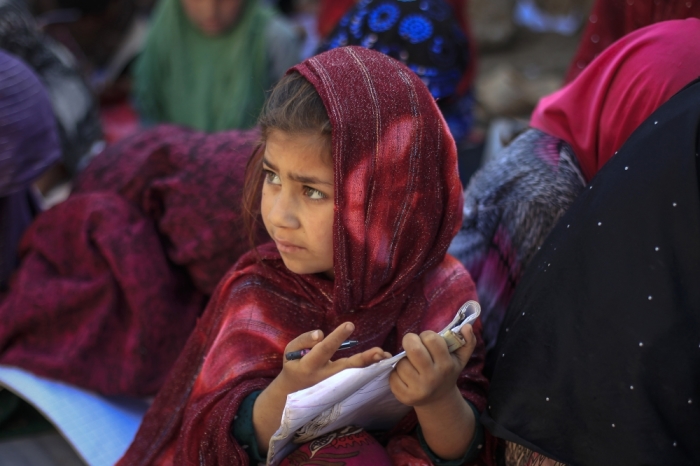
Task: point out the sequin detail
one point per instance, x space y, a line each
415 28
383 17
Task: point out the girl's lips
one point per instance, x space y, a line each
210 27
286 246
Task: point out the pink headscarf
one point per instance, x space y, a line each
600 109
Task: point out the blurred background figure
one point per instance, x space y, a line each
600 363
513 202
104 36
611 19
427 36
208 63
29 144
74 106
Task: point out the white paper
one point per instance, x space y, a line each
358 397
99 428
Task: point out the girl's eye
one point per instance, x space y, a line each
314 194
271 177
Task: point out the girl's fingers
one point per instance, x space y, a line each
304 341
364 359
465 352
416 352
397 385
407 372
324 350
436 346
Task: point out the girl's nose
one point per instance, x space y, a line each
283 211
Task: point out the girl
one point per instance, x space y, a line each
207 63
361 196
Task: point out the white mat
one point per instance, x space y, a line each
99 428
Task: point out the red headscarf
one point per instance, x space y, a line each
598 111
397 206
612 19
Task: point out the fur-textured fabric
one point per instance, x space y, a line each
509 208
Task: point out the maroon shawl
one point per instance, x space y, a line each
397 206
112 280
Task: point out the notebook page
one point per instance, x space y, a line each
359 397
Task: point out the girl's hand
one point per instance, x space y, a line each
303 373
316 365
429 371
427 380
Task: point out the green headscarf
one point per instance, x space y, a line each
209 83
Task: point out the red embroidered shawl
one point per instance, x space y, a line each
397 206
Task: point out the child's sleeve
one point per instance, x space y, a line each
243 430
472 452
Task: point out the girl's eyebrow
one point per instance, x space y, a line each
298 178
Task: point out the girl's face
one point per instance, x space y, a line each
297 200
213 17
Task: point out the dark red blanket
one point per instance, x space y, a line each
113 279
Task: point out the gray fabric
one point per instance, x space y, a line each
283 47
510 206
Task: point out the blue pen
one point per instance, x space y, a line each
291 356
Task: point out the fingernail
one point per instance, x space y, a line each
314 335
349 326
377 357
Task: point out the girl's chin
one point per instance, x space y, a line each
306 269
212 30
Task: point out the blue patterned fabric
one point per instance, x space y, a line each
416 28
384 17
425 36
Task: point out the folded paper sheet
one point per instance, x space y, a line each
358 397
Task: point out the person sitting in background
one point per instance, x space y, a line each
29 145
429 39
612 19
208 63
73 104
513 202
599 357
